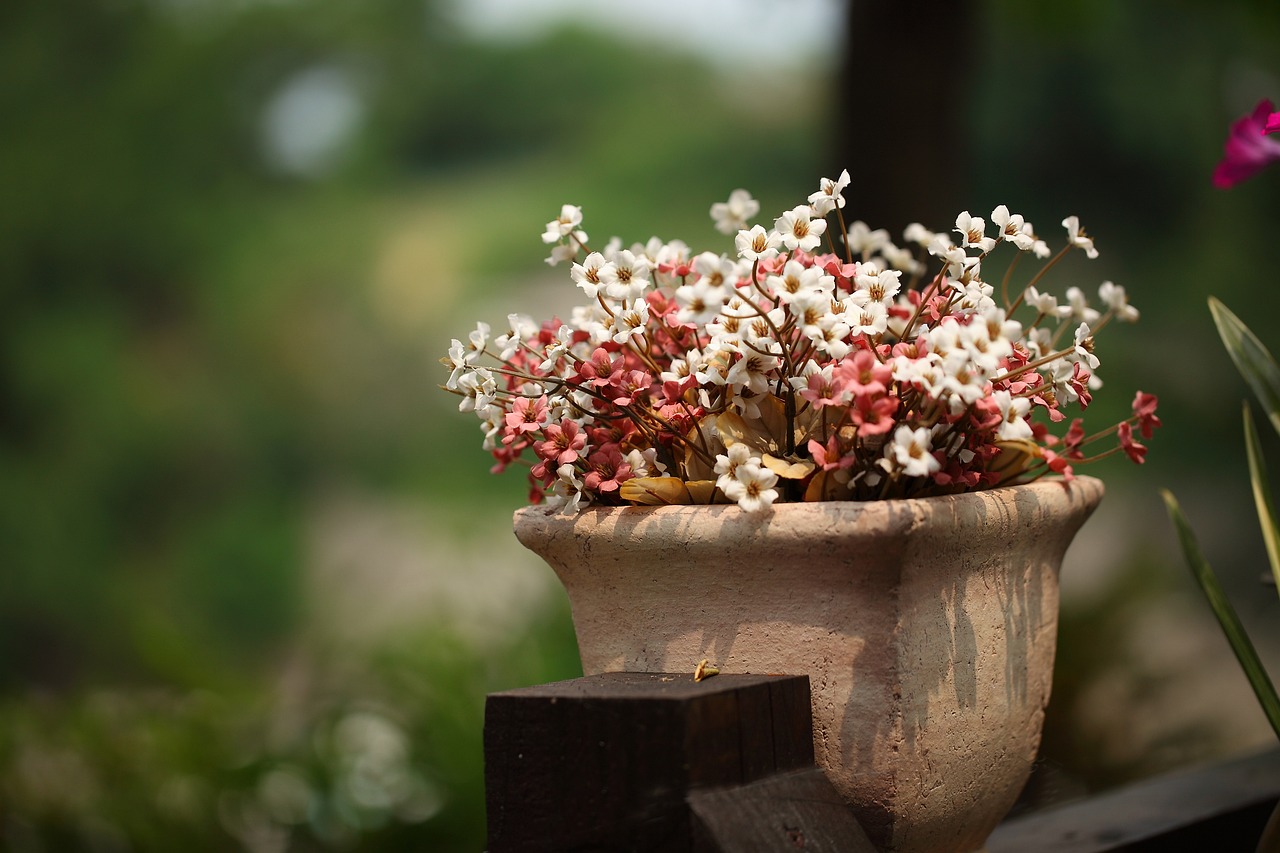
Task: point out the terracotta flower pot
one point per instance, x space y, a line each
927 628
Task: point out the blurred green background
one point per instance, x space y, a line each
254 579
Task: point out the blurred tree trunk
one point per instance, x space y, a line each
903 123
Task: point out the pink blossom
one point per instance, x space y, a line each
824 391
1144 408
609 470
562 444
1058 464
828 458
873 416
1132 448
865 374
601 370
526 415
1247 151
1073 439
1079 383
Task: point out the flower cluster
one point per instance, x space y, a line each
819 361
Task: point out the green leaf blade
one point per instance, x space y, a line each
1262 494
1252 359
1226 614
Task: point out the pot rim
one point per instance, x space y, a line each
1089 489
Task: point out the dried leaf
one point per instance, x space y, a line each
1014 457
655 491
701 491
705 670
791 468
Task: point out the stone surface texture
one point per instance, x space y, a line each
927 628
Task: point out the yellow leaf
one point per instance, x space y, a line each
655 491
701 491
1014 457
788 469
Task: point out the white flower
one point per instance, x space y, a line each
757 244
630 321
587 275
627 276
556 349
700 302
797 279
479 387
911 452
727 463
864 242
1076 235
751 486
644 463
1046 303
830 194
1118 301
564 225
799 230
459 359
972 230
753 370
567 491
1013 413
734 214
918 234
1083 350
1079 304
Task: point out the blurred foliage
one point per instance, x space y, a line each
199 340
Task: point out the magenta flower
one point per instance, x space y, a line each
1248 150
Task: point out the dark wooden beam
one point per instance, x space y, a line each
608 761
1220 807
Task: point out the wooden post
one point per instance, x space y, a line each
645 761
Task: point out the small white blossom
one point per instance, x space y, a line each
587 275
918 234
564 225
750 485
911 452
1079 305
1076 236
733 215
972 230
757 244
799 230
1117 300
1083 350
830 194
864 242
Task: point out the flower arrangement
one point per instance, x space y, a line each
820 361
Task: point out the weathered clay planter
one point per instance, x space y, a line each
927 628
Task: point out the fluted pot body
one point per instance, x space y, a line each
927 628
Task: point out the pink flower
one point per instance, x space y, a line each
1247 151
564 440
1131 448
825 390
608 471
601 370
527 415
1073 439
865 374
828 458
873 416
1058 464
1144 407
